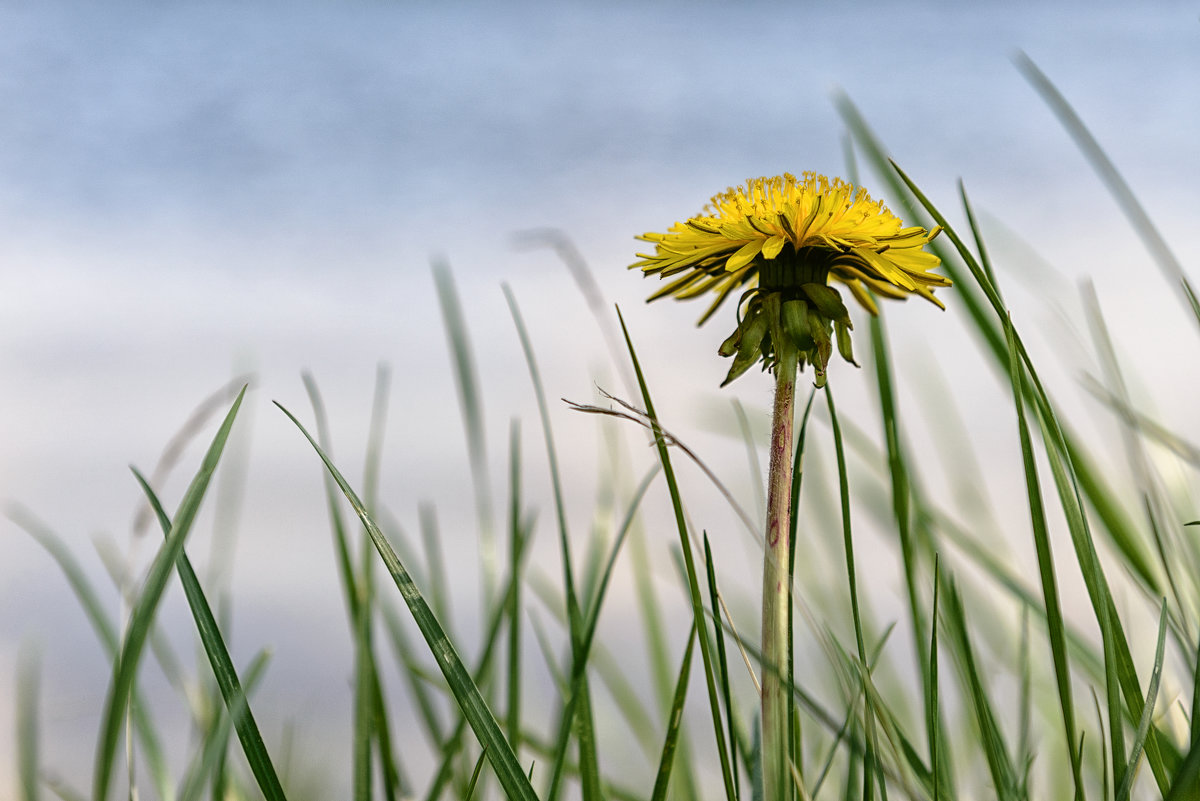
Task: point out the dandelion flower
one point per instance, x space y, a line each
787 243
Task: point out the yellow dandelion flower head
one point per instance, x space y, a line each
791 238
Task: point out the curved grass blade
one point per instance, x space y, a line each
666 762
340 540
27 725
222 665
504 762
125 667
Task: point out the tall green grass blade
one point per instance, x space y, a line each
371 718
364 718
663 779
692 577
722 661
220 661
470 403
1147 481
795 730
509 772
999 763
870 758
372 466
901 492
1049 582
984 262
1108 173
475 776
578 700
1143 728
142 616
340 540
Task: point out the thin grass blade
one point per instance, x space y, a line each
28 694
667 760
1143 729
578 701
693 581
999 762
1041 538
470 403
504 762
722 662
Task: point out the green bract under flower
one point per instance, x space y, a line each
783 241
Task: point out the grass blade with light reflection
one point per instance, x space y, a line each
142 616
219 659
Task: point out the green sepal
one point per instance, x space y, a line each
818 328
843 342
730 345
828 302
753 330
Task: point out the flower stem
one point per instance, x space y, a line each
776 586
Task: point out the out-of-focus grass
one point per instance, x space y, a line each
1091 717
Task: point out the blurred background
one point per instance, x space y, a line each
192 191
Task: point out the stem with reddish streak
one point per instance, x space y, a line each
776 585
